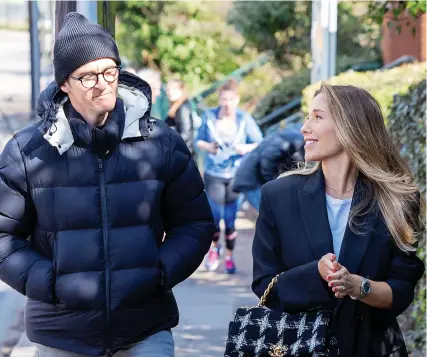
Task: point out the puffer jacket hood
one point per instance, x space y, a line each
132 90
82 235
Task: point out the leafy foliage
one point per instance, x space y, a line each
188 40
408 127
289 88
284 28
280 26
383 85
379 9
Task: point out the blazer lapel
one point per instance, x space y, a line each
314 214
354 245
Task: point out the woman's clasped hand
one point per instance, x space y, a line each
339 279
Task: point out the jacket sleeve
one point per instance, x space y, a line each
405 271
203 131
270 159
253 132
187 215
21 267
297 289
185 123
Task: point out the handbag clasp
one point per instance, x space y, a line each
278 351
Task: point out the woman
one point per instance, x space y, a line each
180 114
343 232
226 134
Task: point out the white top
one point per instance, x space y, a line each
338 211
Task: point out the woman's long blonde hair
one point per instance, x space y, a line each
362 133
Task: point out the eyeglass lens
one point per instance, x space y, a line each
90 80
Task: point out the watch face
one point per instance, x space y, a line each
366 288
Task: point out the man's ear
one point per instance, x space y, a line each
64 87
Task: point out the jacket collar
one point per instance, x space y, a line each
314 214
134 92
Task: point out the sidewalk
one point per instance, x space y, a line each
207 302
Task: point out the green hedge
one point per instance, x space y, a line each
408 127
383 85
290 88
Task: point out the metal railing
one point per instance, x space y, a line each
279 113
294 118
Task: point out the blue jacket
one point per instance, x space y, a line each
82 219
248 132
277 153
293 233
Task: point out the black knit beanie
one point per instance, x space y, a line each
81 41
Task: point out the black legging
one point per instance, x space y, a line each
224 204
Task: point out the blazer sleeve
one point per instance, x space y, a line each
405 271
299 288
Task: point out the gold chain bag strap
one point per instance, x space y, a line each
258 331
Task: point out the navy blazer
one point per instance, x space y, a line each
293 233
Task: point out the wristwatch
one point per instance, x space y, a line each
365 289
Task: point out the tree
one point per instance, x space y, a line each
378 10
279 26
188 40
284 27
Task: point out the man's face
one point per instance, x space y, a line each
99 99
228 101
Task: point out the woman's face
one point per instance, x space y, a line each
174 91
319 132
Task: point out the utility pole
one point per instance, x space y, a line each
101 12
323 39
35 54
62 8
107 16
333 27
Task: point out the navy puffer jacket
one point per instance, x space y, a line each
277 153
83 212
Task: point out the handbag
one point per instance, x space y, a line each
259 331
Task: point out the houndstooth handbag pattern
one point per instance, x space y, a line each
259 331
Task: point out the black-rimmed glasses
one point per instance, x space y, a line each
91 79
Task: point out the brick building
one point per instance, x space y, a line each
395 44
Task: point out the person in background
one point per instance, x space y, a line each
180 115
225 135
160 101
278 152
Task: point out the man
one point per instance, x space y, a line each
96 184
277 153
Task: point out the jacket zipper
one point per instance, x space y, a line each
54 257
105 238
